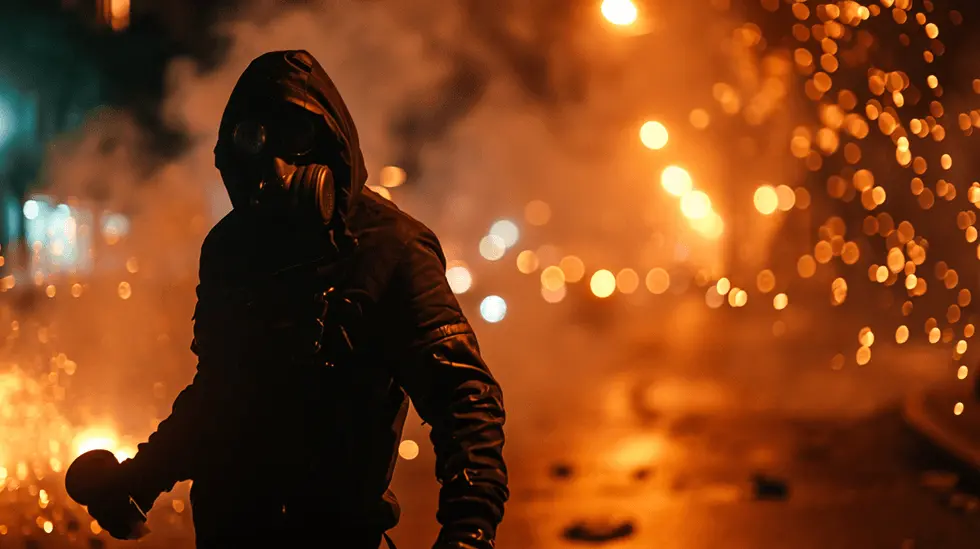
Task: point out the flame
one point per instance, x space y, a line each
101 438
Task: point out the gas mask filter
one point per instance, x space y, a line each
277 170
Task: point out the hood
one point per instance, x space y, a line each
296 77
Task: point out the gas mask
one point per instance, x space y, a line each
275 167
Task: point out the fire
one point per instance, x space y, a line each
101 438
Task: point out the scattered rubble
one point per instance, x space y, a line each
643 473
968 503
561 471
599 530
767 488
941 481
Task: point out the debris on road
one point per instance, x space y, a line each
642 474
561 470
767 488
599 530
942 481
967 503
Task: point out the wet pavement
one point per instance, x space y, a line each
711 481
727 440
688 430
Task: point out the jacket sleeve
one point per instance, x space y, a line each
168 455
452 389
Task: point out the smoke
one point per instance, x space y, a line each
487 106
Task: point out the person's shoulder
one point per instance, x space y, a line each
228 229
223 249
380 219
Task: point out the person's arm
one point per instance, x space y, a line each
454 392
169 454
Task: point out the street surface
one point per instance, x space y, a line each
665 425
722 439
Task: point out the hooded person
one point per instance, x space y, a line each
321 309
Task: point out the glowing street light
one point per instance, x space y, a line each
619 12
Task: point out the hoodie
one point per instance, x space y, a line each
334 423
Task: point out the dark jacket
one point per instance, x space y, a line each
269 421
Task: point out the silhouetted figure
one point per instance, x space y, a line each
321 307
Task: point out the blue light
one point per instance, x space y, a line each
115 224
493 309
31 209
53 234
7 121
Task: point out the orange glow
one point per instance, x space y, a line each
619 12
710 226
766 200
117 14
392 176
101 438
552 278
408 449
603 283
654 135
627 281
573 267
492 247
459 277
696 205
657 281
676 181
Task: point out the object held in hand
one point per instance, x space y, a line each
92 480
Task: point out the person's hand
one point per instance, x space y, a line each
115 515
116 510
464 539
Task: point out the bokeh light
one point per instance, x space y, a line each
785 198
653 135
573 267
527 262
492 247
408 449
699 118
723 286
537 213
460 278
31 209
493 309
619 12
554 296
627 281
710 226
506 231
676 181
657 281
602 283
552 278
7 121
696 205
392 176
765 199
